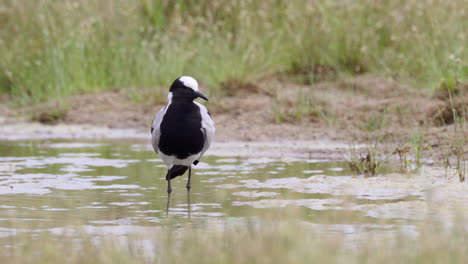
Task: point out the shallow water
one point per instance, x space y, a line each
119 188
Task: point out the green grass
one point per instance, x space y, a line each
54 49
247 241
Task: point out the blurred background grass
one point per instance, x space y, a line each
54 49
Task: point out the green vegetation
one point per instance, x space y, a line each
50 115
456 153
365 161
252 241
302 106
59 48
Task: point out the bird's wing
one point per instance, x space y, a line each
208 127
155 128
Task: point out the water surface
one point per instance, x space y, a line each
120 188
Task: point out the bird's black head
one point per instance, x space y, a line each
185 87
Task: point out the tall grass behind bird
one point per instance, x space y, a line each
60 48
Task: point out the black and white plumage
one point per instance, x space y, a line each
183 130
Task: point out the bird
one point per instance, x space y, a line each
183 130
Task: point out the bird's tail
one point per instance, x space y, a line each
176 170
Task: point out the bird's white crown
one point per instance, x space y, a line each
189 82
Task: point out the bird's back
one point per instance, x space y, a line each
180 130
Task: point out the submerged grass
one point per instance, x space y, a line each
60 48
265 241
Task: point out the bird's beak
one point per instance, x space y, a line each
201 95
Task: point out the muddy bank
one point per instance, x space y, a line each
356 109
25 130
293 148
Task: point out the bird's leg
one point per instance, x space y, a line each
188 202
167 206
169 190
188 190
189 176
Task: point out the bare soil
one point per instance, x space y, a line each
353 109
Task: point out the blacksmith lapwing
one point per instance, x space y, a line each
183 130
